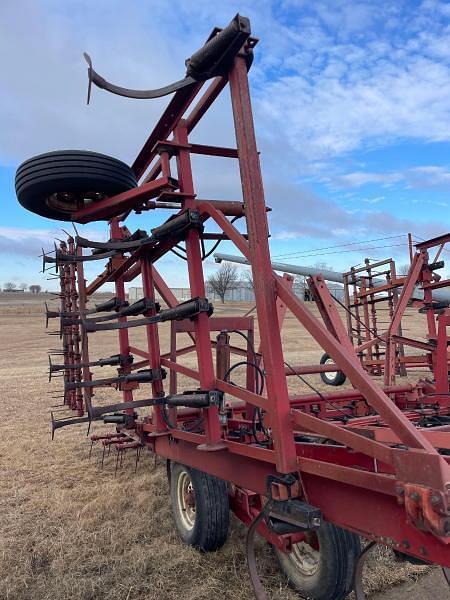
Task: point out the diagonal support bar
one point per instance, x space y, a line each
351 367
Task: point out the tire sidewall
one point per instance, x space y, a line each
338 379
333 573
322 579
73 171
202 534
189 536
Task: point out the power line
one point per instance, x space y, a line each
352 250
338 246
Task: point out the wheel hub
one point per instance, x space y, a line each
330 374
70 202
305 556
186 500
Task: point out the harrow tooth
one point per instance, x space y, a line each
138 455
117 463
121 448
107 441
90 449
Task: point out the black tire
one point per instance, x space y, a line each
331 377
330 575
56 184
206 528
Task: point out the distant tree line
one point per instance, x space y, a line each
9 286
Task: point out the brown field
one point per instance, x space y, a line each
71 531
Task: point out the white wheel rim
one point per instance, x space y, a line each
305 559
186 500
330 375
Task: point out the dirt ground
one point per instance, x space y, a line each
70 530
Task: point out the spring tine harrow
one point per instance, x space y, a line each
121 448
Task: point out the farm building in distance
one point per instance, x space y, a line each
241 292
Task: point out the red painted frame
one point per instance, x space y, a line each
382 477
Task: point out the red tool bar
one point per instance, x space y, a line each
350 365
437 241
253 195
172 115
111 207
167 123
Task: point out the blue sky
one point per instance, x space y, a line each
351 102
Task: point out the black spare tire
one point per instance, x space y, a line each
331 377
57 184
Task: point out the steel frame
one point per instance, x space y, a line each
384 475
367 299
382 350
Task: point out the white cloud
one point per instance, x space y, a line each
333 78
285 235
359 178
16 233
330 79
44 76
363 84
30 241
425 176
332 115
373 200
429 176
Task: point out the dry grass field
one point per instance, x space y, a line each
72 531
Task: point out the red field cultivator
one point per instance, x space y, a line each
374 302
310 473
383 350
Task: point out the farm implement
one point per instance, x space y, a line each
373 293
311 473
